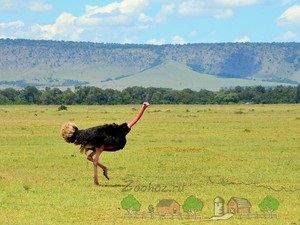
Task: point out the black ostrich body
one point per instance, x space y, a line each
111 135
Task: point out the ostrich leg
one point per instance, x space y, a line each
104 168
139 115
99 150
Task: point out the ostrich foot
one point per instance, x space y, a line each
96 182
105 173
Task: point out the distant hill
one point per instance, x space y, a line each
196 66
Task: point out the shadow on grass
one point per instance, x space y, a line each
112 185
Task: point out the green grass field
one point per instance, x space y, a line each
247 151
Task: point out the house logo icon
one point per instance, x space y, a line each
168 206
238 205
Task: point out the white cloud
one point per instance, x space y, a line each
125 13
39 6
178 40
288 36
285 2
202 8
132 6
192 8
164 12
242 39
223 13
99 23
62 28
156 41
124 21
21 5
116 8
12 29
144 18
8 5
193 34
14 24
291 17
128 40
236 3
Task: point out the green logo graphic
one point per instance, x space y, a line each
171 209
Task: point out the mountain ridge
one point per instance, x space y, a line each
196 66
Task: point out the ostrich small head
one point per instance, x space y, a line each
124 128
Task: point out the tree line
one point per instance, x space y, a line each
89 95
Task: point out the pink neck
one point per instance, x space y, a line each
139 115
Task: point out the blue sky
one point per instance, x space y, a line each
152 21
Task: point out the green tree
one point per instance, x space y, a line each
130 204
269 204
30 95
81 94
3 99
298 93
187 96
51 96
192 205
220 97
113 97
205 97
10 95
134 95
94 96
68 97
231 98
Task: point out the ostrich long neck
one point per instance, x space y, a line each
139 115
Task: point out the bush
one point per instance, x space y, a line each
62 107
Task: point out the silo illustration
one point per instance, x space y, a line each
219 206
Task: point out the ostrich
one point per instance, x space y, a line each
107 137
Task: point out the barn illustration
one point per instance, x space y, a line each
168 206
238 205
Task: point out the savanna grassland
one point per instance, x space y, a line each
247 151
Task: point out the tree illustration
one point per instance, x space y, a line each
192 205
269 204
130 204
